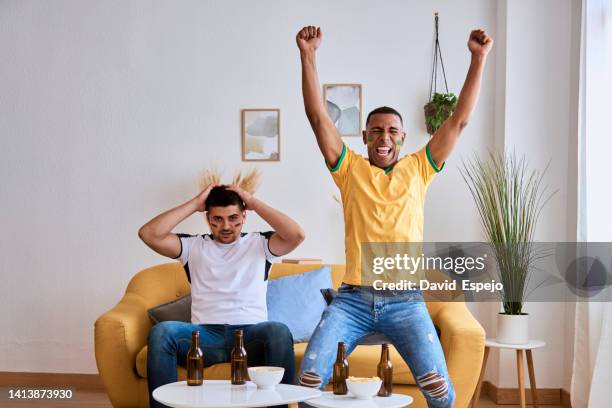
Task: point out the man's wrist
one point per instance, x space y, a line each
479 59
308 55
193 205
252 204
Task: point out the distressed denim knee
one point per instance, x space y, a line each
437 389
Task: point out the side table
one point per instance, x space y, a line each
527 347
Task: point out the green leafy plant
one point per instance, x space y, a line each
509 198
441 106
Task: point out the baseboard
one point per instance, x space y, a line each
566 401
510 396
84 382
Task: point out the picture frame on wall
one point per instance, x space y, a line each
260 134
344 106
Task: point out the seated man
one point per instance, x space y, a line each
228 272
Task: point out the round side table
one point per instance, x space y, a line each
527 347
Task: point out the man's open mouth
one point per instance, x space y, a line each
383 152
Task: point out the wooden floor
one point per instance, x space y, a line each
89 399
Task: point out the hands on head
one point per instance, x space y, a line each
203 195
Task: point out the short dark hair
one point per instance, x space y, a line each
220 196
384 109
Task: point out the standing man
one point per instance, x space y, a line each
228 272
383 199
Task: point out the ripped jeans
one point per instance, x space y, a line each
402 316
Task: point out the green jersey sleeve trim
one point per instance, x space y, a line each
431 160
337 166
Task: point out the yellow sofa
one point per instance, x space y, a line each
121 339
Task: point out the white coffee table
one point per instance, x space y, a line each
222 394
329 400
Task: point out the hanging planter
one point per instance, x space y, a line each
440 105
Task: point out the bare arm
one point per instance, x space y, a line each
157 233
288 234
443 141
308 40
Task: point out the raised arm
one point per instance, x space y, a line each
157 233
444 139
288 234
308 40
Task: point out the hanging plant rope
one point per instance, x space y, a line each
440 105
434 68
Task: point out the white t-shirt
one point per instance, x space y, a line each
229 282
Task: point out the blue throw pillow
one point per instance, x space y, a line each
296 301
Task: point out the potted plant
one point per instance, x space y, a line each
438 109
509 197
440 105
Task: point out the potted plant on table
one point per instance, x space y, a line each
509 197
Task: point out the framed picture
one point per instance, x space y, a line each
343 103
260 134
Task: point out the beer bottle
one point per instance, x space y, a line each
385 372
195 361
239 360
341 371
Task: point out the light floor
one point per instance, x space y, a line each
91 399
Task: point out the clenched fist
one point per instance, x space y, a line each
309 38
480 43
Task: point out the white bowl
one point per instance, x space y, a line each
266 378
363 389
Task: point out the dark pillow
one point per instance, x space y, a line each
177 310
329 295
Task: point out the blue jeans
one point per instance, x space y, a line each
402 316
267 343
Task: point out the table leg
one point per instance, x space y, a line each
476 395
534 391
521 377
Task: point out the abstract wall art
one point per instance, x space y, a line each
260 134
343 103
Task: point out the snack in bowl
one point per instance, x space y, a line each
266 378
363 387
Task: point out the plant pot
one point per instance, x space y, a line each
513 329
438 110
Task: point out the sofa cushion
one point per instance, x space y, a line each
298 295
177 310
362 362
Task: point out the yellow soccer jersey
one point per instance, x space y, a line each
381 205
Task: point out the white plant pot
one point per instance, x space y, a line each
513 329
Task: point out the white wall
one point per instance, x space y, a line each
537 110
110 110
